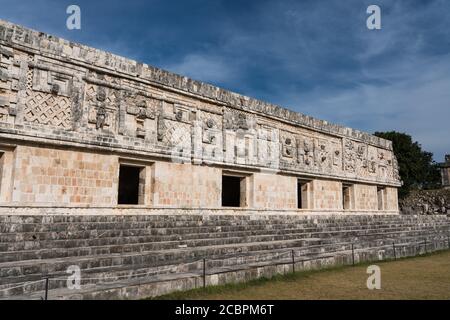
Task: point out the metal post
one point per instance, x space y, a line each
293 261
353 255
393 246
425 243
46 289
204 273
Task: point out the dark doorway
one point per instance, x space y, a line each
346 197
299 195
129 185
302 194
231 191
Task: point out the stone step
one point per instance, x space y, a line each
67 230
84 234
154 257
119 275
138 247
166 218
149 258
208 225
129 248
125 244
21 241
99 224
116 273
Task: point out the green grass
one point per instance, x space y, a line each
422 277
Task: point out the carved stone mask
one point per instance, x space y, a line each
179 115
101 95
306 147
142 104
55 88
209 123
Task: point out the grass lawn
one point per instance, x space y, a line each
424 277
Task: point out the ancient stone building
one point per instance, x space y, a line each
83 128
445 172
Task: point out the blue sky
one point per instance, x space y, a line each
316 57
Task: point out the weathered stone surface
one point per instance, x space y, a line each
135 256
426 202
70 115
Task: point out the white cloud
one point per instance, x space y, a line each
417 103
207 68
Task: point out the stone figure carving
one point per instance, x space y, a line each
209 133
235 120
372 168
141 110
336 157
383 164
361 150
161 128
323 153
145 111
305 151
309 152
349 156
100 118
242 122
287 147
395 167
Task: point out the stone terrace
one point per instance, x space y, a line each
136 256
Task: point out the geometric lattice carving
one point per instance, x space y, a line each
48 109
177 134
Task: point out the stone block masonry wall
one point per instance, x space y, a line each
34 175
48 176
326 194
274 191
391 202
366 197
186 185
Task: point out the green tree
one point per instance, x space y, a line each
416 166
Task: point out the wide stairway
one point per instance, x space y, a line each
117 252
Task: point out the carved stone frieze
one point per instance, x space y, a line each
134 106
103 105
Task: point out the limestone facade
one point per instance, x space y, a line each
79 125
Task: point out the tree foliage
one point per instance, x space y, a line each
416 166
